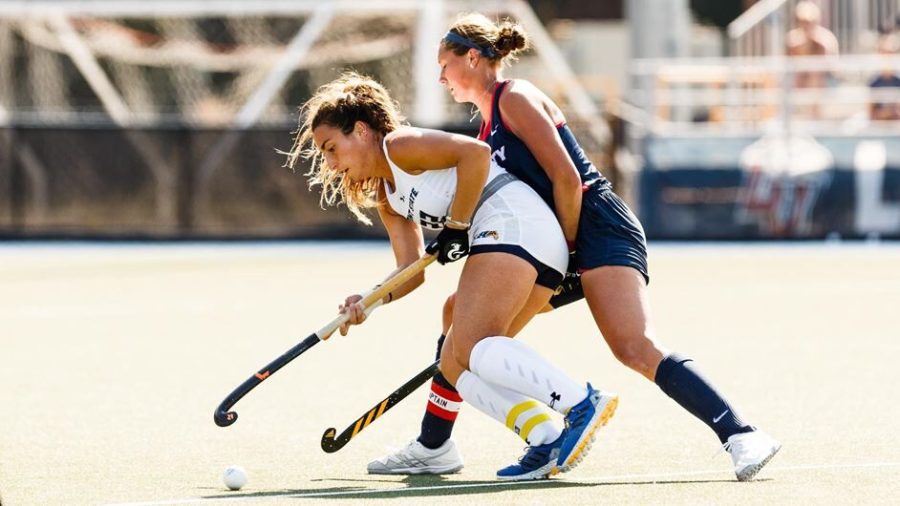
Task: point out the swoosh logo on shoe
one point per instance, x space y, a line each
716 419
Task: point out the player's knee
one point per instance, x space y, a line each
454 354
460 355
636 352
447 369
450 368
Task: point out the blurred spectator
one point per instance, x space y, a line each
810 38
887 78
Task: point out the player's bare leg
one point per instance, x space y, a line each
617 296
503 377
434 451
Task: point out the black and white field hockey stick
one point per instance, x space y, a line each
223 417
331 444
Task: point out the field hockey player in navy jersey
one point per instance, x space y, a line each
529 138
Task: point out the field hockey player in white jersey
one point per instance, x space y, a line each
363 157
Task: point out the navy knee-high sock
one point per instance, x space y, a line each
679 378
441 410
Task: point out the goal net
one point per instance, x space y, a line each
164 62
227 68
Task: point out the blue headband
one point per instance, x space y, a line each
462 41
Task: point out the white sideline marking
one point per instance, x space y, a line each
590 480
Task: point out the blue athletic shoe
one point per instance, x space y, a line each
537 463
581 422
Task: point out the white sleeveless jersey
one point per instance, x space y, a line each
512 219
425 198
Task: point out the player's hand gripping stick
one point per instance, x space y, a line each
223 417
450 245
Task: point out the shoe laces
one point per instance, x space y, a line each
736 446
403 455
535 456
577 413
573 417
726 447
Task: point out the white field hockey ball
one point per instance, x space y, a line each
235 477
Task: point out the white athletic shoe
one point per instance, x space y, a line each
750 451
417 459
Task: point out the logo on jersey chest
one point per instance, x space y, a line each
499 155
425 219
413 193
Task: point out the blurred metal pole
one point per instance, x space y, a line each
86 63
550 55
90 68
660 29
778 39
279 73
7 50
7 168
428 108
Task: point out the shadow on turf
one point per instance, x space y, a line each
420 486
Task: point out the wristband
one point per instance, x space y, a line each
456 224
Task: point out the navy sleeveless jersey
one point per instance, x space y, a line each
512 154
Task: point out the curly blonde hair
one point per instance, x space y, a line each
340 104
505 38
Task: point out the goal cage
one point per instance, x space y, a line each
167 113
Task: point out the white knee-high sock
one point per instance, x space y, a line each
531 420
511 364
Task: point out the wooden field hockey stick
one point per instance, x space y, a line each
331 444
223 417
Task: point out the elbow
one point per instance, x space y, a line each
476 158
483 148
569 181
482 153
484 160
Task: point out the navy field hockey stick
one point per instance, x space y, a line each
224 417
331 444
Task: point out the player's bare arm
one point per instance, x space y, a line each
525 114
418 149
407 245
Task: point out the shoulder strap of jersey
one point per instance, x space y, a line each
496 119
495 111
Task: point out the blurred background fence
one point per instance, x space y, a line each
161 118
138 182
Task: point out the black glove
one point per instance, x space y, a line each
569 291
450 245
572 268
